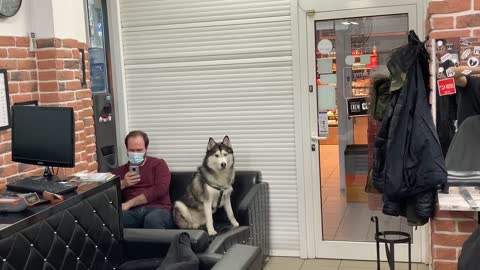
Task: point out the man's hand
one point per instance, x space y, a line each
126 206
130 179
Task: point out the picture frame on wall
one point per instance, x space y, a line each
4 101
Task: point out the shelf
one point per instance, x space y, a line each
335 58
361 68
368 35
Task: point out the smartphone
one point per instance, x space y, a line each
134 169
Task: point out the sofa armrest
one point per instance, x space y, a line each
154 243
254 210
241 257
222 242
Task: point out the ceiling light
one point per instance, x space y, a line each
355 23
345 23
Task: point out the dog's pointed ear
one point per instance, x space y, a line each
211 144
226 141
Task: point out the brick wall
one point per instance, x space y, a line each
451 19
449 231
52 76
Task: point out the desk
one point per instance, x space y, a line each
11 223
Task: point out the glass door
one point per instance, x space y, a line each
349 53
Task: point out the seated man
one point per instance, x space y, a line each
145 193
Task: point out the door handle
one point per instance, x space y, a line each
317 138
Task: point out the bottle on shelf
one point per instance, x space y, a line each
374 57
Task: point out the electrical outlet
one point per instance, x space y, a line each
33 43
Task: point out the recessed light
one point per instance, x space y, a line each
345 23
355 23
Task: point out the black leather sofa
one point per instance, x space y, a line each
85 232
250 204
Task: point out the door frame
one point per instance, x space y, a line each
314 246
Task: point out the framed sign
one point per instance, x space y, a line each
446 87
4 101
357 106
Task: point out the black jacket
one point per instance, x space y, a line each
180 255
409 163
469 259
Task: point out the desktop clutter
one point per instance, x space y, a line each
30 191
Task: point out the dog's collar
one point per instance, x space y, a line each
219 201
216 187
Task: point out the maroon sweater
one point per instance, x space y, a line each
154 183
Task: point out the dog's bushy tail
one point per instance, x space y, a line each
181 215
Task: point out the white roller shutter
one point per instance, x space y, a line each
196 69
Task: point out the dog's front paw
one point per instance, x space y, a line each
212 232
235 223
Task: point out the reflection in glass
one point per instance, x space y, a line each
97 46
348 53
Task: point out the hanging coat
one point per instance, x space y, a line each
469 259
409 163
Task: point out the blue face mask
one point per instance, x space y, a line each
136 157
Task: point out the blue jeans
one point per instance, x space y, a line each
148 218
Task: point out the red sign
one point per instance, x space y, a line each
446 87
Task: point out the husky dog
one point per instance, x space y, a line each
209 190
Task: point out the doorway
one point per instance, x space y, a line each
345 54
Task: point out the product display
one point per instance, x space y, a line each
364 59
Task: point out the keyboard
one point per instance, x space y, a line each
39 185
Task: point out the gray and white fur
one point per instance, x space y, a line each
209 190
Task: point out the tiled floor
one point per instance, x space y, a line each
344 221
286 263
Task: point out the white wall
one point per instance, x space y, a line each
41 18
69 19
47 19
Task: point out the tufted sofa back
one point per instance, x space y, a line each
85 235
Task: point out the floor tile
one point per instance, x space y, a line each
422 267
284 263
358 264
319 264
288 263
371 265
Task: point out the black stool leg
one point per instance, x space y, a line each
377 232
390 255
378 255
410 255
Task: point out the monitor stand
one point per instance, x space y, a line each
48 174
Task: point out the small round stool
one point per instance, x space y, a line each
390 238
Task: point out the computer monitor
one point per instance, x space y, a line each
43 136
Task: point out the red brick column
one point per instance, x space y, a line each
22 84
52 76
451 19
59 84
449 231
